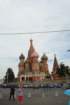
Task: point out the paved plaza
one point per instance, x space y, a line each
36 97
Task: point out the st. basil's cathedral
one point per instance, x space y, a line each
32 69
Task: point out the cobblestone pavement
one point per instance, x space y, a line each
36 97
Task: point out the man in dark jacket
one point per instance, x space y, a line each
12 93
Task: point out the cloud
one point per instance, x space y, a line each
24 16
29 16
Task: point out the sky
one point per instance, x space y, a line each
26 16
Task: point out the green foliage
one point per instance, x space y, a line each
47 76
64 70
9 77
68 70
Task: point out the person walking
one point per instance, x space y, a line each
12 93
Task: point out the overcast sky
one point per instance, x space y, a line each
23 16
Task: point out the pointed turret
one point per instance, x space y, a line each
55 75
31 49
33 58
55 65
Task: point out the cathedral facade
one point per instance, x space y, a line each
32 69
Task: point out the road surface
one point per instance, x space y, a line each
36 97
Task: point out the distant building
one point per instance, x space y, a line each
33 69
55 75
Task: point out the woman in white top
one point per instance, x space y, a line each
20 94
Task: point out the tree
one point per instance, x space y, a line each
9 77
64 70
48 76
68 70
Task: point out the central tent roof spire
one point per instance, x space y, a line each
31 41
31 51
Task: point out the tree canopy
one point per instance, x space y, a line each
64 70
9 76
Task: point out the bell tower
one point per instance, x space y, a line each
21 65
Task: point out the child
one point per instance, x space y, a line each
20 95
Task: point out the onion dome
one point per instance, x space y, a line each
44 57
21 57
